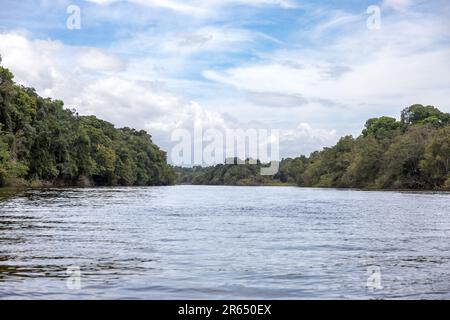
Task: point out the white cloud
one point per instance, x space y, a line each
305 139
97 60
207 39
396 66
202 7
120 100
32 62
182 44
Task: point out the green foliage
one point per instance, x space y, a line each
401 162
291 170
9 168
246 174
382 128
419 114
447 184
436 163
365 163
41 140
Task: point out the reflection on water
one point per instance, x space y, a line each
224 242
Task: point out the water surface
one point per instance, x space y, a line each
200 242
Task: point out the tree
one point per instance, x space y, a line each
9 168
419 114
401 162
436 164
382 128
365 163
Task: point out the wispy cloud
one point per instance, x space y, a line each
392 67
201 8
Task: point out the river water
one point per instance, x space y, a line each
205 242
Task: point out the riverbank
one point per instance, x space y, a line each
81 182
9 191
281 184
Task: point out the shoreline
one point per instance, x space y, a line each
14 190
318 188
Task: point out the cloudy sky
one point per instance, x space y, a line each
311 69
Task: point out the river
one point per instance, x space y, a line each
216 242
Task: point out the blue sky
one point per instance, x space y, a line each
312 69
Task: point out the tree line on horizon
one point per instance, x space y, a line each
42 143
410 153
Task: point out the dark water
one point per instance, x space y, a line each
196 242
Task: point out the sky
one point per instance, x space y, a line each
314 70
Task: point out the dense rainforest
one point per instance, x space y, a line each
412 153
42 143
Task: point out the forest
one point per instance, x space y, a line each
44 144
410 153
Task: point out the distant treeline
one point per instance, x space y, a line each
413 153
42 143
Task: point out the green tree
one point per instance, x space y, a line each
419 114
382 128
401 162
436 163
365 163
